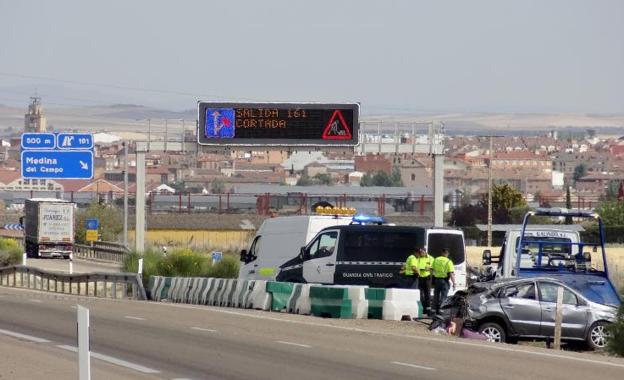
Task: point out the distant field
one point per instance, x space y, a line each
615 259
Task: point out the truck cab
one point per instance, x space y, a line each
558 252
557 240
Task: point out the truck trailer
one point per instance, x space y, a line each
48 227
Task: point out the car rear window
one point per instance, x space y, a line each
380 245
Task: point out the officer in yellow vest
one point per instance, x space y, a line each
443 271
410 271
425 263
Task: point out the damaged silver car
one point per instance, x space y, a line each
515 309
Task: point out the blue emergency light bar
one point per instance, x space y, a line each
368 219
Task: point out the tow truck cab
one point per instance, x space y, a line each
559 253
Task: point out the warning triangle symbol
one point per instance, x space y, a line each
337 128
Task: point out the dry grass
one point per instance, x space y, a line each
615 259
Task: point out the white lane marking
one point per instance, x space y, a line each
414 366
203 329
490 346
35 300
24 336
112 360
293 344
135 318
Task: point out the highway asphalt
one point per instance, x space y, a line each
199 342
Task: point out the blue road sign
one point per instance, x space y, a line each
54 164
74 141
216 257
92 224
38 141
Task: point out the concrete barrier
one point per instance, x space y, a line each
330 302
259 298
402 304
375 298
336 301
230 293
280 293
299 300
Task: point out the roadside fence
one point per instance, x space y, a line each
104 285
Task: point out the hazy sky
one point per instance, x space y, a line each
518 56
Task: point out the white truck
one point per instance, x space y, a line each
48 227
565 241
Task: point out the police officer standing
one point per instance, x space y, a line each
425 263
410 271
442 272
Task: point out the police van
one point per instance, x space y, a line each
370 255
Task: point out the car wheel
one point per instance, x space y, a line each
493 332
597 336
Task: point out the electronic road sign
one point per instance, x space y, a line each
56 164
278 124
38 141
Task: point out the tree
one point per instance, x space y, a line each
568 219
612 213
382 178
110 217
468 215
504 199
580 170
217 186
396 177
304 180
323 179
616 343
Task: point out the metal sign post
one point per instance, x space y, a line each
140 271
558 318
84 354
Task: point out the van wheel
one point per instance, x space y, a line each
597 336
493 331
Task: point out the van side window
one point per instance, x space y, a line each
253 250
325 245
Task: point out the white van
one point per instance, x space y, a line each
279 239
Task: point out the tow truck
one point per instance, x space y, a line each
567 260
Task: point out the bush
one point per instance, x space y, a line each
615 344
181 263
10 252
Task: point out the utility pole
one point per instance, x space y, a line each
149 133
139 229
489 210
183 135
125 206
166 133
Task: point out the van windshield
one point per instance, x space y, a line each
385 246
453 242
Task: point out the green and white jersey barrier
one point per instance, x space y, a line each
336 301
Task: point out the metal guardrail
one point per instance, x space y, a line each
101 250
105 285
